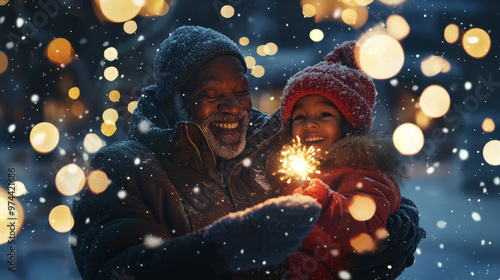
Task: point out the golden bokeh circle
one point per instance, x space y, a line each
316 35
61 219
44 137
380 55
98 181
435 101
108 128
70 179
408 139
120 10
491 152
451 33
476 42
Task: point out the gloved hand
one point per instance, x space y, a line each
318 190
264 234
398 248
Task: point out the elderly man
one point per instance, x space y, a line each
169 212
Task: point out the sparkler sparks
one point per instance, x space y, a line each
298 162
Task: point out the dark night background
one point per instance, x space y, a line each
450 179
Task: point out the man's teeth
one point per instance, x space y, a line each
315 139
227 125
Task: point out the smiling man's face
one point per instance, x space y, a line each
217 98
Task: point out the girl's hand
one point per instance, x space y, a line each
319 190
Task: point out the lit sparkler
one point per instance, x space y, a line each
298 161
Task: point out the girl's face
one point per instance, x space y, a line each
316 121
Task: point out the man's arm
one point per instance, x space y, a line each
120 236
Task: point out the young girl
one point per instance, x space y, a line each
329 106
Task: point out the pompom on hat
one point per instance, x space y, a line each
184 52
339 79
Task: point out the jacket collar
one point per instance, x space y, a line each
183 144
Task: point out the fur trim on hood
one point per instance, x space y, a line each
372 150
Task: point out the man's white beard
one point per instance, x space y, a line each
226 146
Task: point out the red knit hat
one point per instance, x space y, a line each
339 79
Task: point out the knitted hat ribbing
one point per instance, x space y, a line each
339 79
183 52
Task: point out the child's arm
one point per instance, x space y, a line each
336 217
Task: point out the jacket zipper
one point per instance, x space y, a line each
221 179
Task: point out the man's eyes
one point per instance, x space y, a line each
214 95
242 92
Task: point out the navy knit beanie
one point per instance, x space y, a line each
183 52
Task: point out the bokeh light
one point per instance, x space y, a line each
130 26
363 243
488 125
363 2
349 2
434 65
344 274
77 108
258 71
397 27
227 11
476 42
316 35
98 181
4 62
381 233
120 10
422 120
114 95
3 3
60 52
261 50
270 48
108 128
362 207
308 10
349 16
60 219
20 188
491 152
408 139
110 54
92 143
392 2
44 137
17 213
74 93
435 101
131 106
380 55
153 8
250 61
110 115
70 179
244 41
451 33
111 73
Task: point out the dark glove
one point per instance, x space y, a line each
264 234
398 248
